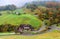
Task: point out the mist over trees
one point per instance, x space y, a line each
8 7
48 4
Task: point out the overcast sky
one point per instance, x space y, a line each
18 2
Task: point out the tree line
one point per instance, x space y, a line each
8 7
50 12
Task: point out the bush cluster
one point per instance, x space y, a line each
7 28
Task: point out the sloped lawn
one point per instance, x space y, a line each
20 19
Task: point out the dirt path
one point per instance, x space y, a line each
53 27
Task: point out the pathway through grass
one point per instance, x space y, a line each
49 35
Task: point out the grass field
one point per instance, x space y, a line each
48 35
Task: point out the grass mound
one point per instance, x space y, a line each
20 19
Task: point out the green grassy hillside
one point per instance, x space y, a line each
20 19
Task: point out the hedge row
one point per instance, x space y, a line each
7 28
